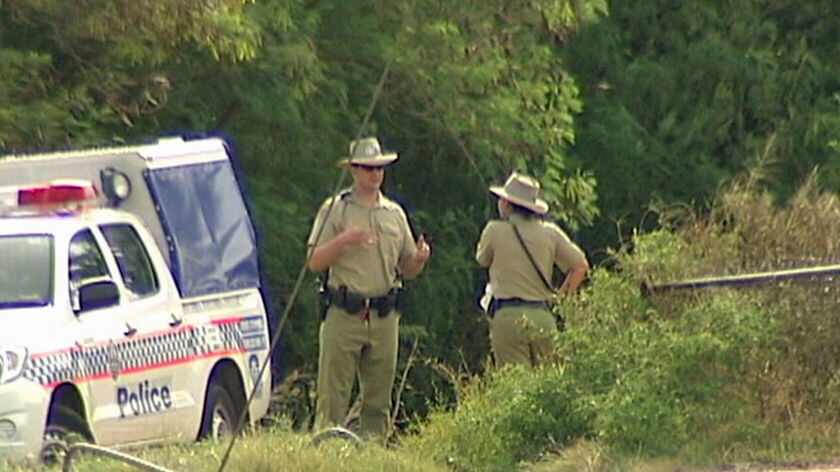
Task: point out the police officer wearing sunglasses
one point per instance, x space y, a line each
363 240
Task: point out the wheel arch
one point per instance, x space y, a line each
228 374
68 396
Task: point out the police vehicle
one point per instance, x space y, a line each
130 298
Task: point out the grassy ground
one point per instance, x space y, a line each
277 449
265 451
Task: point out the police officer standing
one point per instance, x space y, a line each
521 250
363 240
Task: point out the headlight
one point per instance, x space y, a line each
12 361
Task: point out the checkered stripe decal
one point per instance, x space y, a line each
230 336
134 354
157 350
91 361
53 368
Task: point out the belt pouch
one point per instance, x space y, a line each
383 305
353 302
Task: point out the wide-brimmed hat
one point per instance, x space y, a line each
523 191
367 152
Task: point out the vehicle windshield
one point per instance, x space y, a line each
26 270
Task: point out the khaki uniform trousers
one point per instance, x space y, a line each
522 335
351 345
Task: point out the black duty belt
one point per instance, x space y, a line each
499 303
353 302
506 302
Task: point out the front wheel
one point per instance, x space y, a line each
64 427
219 418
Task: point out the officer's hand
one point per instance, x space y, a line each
424 251
359 237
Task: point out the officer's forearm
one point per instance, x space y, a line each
323 255
574 278
412 267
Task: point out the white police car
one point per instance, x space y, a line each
130 300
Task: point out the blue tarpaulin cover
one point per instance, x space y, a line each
212 243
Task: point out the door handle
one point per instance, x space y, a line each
175 321
129 330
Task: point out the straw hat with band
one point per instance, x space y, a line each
523 191
368 153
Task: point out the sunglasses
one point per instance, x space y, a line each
369 168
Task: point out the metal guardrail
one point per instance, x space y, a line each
744 279
110 453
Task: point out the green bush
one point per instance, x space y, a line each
649 380
507 417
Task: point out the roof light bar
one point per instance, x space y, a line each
57 192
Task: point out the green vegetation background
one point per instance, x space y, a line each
679 139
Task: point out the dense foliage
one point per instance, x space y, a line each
680 96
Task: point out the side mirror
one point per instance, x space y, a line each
99 294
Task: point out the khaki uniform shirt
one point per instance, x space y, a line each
511 273
373 271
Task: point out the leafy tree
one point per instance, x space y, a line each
81 72
682 96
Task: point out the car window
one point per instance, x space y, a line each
86 261
132 259
86 264
26 270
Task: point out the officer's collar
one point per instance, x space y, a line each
514 217
352 196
